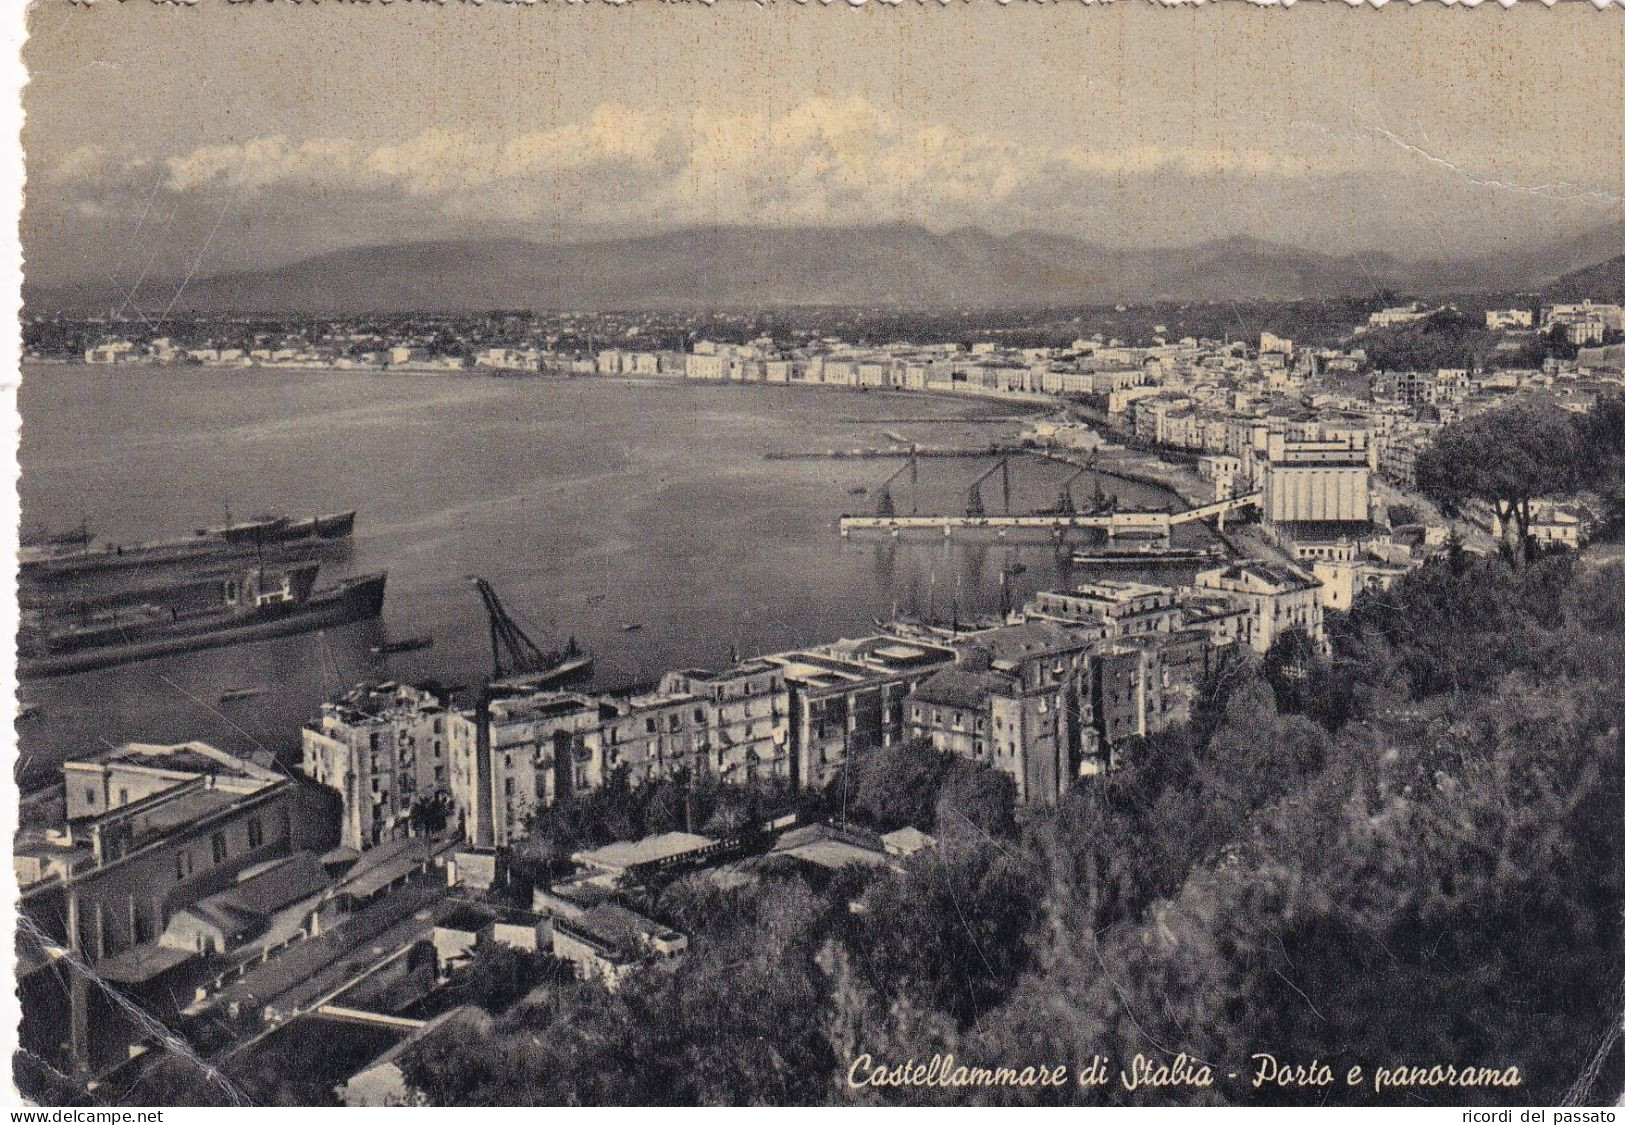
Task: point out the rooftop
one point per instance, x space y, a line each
1270 577
960 687
188 758
383 702
1011 644
828 846
543 705
251 901
615 929
629 853
141 963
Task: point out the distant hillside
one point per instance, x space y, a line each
893 265
1604 281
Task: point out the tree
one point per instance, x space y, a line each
431 812
498 975
1603 437
1505 458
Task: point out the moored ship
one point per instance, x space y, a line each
270 538
257 605
1141 554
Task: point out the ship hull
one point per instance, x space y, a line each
358 599
573 670
1145 558
272 542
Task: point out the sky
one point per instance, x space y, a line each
166 140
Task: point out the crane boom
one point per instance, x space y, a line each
973 494
512 652
885 506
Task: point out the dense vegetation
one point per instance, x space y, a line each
1408 852
1451 339
1507 458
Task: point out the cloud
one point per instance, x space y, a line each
820 158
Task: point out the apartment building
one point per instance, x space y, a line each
516 755
1277 598
1018 702
382 747
850 697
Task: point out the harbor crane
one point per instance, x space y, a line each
513 653
1064 504
973 494
885 508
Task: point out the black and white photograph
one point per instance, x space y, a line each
846 554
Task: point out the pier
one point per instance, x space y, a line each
1140 524
889 451
1154 527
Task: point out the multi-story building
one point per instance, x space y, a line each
711 368
1144 684
655 734
383 747
746 708
850 697
1342 580
1018 702
136 836
1277 598
149 829
1610 317
523 753
1223 469
1399 451
1317 480
517 755
1119 609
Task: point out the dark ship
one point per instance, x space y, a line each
251 605
267 538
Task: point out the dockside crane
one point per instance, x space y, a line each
885 508
1064 504
513 653
973 494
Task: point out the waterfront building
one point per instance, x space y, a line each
1317 479
1118 609
707 367
534 749
654 734
137 836
383 747
1223 469
1018 702
1144 684
148 830
745 710
848 698
1277 598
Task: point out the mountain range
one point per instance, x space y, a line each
899 265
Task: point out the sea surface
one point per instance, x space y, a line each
590 505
